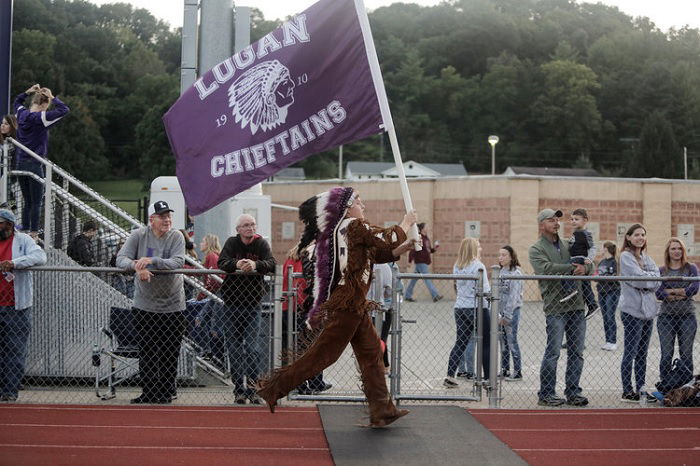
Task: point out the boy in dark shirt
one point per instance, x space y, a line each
582 250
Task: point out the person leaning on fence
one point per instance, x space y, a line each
638 308
466 305
677 319
241 317
17 252
346 249
80 248
33 126
159 302
422 261
550 256
511 293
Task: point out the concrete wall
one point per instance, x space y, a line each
506 209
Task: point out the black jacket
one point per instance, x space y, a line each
245 290
80 250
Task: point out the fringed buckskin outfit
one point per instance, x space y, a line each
346 250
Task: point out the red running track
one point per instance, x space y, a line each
123 435
653 436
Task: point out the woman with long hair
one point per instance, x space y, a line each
8 128
211 248
677 319
468 263
609 295
511 302
638 308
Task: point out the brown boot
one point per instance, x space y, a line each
388 419
267 393
383 413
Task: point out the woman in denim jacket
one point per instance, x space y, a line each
677 317
638 307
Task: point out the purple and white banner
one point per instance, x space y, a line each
304 88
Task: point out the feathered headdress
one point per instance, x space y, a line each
321 215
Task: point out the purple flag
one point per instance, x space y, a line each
304 88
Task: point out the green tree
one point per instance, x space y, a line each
659 154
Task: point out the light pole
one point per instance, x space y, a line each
493 140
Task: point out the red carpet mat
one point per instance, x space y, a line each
653 436
123 435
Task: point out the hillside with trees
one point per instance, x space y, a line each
562 84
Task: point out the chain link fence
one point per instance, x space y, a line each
83 344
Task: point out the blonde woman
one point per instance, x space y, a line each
468 263
211 248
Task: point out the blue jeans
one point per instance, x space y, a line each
573 324
465 319
32 193
241 328
671 327
509 344
421 268
637 337
608 306
467 363
15 326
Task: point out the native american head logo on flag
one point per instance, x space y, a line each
261 96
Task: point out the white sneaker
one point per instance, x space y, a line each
609 347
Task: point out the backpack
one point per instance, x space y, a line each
679 375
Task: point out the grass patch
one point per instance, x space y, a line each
122 192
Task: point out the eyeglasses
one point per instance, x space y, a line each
247 225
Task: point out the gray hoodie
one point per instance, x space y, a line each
164 293
638 298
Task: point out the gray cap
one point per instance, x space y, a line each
7 215
548 213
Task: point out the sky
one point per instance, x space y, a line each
665 14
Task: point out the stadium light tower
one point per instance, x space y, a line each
493 140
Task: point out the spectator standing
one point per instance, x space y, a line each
677 319
33 126
8 129
380 292
211 248
346 248
17 252
422 261
159 302
80 248
638 308
511 302
240 320
550 256
609 295
466 305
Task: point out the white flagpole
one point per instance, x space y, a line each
384 108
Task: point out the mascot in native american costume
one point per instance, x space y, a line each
346 249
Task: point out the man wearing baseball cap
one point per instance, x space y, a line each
159 301
17 252
550 256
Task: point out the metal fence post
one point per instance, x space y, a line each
494 357
479 332
48 240
395 333
5 172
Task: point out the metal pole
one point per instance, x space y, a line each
479 330
291 298
493 159
5 172
48 240
494 400
340 162
5 54
188 64
395 333
685 162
